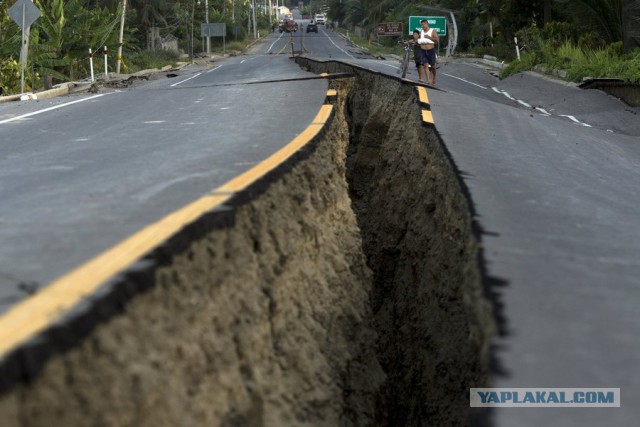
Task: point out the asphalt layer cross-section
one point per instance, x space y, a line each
78 179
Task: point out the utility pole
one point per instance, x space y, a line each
206 19
124 10
193 13
255 31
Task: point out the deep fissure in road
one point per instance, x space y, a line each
432 322
345 290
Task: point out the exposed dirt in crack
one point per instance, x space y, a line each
432 321
347 293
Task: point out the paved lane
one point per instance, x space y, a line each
77 179
560 206
325 44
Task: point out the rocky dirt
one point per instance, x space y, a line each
347 293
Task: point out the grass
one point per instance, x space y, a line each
149 59
579 62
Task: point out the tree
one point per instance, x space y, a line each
60 44
614 20
491 10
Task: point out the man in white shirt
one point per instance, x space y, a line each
428 39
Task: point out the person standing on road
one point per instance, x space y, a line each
417 56
428 39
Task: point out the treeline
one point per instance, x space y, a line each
59 40
493 23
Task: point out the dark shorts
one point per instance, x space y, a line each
429 56
418 62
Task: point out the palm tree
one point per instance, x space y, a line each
490 9
614 20
60 44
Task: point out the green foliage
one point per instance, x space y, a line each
527 62
613 20
579 62
499 49
10 75
58 46
150 59
237 46
312 6
583 28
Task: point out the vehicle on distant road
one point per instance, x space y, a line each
312 26
321 19
288 25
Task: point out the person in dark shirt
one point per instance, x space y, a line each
418 57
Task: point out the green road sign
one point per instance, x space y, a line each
437 22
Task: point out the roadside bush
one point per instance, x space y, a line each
10 76
239 46
527 62
606 63
149 59
629 69
530 38
578 62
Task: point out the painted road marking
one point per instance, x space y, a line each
323 115
466 81
542 110
247 178
395 67
573 119
331 93
210 71
55 107
30 317
325 33
427 117
48 305
248 59
271 47
186 80
423 98
507 95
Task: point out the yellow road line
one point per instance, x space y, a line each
323 115
331 93
422 96
247 178
427 117
36 313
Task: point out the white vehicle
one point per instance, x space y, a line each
320 19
